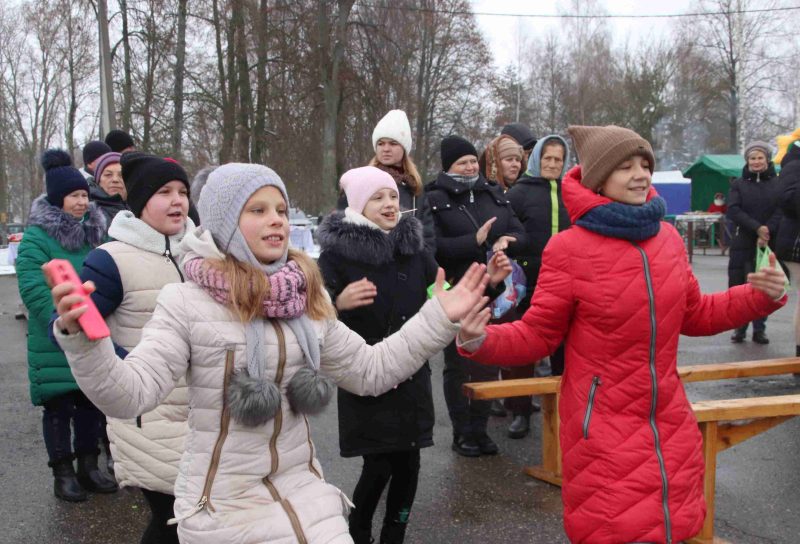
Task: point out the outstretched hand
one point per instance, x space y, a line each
473 325
461 298
770 280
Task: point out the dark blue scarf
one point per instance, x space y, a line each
625 220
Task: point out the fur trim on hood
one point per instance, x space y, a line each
363 243
71 233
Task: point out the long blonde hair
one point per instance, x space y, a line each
249 287
410 169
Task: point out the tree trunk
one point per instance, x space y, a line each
244 112
127 87
107 111
72 106
180 65
259 154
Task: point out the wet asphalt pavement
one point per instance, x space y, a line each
484 500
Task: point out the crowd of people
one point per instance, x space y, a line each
209 308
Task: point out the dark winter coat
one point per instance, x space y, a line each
752 202
531 199
787 245
408 201
52 233
458 213
401 269
110 205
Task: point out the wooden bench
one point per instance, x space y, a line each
716 418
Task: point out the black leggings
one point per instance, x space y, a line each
161 510
399 469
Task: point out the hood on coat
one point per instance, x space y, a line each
69 232
198 242
128 228
766 175
579 199
364 243
535 160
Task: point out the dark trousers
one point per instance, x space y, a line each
467 417
401 471
67 413
522 406
161 510
738 268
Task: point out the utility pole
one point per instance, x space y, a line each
519 68
107 110
739 71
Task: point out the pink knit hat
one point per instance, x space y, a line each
359 184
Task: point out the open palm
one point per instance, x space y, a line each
459 300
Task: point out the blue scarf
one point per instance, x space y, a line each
625 220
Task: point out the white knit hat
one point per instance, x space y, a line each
394 125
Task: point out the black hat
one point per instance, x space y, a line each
61 178
119 140
453 148
145 174
521 133
92 151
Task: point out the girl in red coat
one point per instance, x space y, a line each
618 289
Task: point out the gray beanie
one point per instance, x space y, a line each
758 145
227 190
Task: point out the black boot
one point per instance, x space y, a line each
90 476
486 445
66 486
463 444
738 336
520 426
109 458
760 337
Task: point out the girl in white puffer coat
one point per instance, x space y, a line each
255 335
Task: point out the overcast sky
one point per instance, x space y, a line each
503 32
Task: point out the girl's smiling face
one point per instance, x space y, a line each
167 209
630 181
383 208
264 222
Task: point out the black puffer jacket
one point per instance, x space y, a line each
401 269
531 201
459 211
752 202
110 205
787 245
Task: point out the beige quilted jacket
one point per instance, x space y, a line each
238 484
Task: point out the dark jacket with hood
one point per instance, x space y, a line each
752 202
110 205
534 199
459 211
52 233
408 201
787 245
400 268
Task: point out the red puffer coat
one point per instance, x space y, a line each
632 463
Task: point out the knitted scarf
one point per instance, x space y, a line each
626 221
287 296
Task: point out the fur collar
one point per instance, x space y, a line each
127 228
363 243
69 232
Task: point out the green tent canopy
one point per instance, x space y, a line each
711 174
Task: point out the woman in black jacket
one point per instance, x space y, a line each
472 218
753 209
787 245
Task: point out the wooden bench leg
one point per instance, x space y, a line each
709 431
550 469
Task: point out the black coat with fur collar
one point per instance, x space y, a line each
401 419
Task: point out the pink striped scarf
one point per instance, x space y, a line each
287 294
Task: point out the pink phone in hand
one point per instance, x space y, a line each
61 271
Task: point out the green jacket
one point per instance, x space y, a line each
51 234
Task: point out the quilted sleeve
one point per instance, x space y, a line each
543 327
706 315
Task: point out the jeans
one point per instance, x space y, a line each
67 413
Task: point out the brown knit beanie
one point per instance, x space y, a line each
507 147
601 149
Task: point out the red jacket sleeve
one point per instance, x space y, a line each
543 327
711 314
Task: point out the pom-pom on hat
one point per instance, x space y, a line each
359 184
393 125
601 149
93 150
61 177
145 174
119 140
453 148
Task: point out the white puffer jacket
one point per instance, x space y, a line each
239 484
146 451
